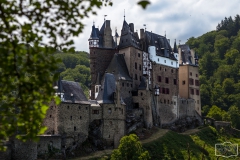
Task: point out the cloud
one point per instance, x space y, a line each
180 19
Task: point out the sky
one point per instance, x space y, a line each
180 19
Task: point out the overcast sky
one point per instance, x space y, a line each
181 19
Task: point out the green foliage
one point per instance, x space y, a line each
130 148
215 113
27 64
219 67
174 146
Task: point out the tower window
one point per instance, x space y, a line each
159 79
75 128
109 110
166 79
135 65
183 82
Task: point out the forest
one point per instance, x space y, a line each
219 67
75 66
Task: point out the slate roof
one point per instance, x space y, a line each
159 42
175 50
94 33
108 88
128 38
119 68
186 54
70 87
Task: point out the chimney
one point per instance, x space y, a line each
131 25
141 33
107 24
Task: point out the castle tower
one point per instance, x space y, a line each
107 38
189 87
102 49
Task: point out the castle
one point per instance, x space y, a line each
133 76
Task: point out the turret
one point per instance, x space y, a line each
93 40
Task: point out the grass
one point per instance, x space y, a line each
179 146
199 144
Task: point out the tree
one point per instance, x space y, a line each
27 65
130 148
215 113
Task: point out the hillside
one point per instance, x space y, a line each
163 144
219 67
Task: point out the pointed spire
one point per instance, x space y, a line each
165 34
93 23
175 47
124 15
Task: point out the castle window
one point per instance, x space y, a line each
191 82
123 84
140 67
196 75
165 69
80 117
172 70
171 63
109 110
163 90
166 79
79 107
158 59
160 68
67 107
51 107
109 136
174 103
175 81
70 117
96 89
197 101
190 73
136 78
122 111
95 111
168 101
164 101
141 93
75 128
159 79
183 82
192 91
135 65
86 108
140 77
167 90
164 61
139 55
131 85
127 84
197 92
197 82
50 116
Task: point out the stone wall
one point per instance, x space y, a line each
134 60
48 142
95 112
113 127
24 150
186 107
144 101
126 92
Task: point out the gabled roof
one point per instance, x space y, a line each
72 88
119 68
128 38
159 42
108 89
186 54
